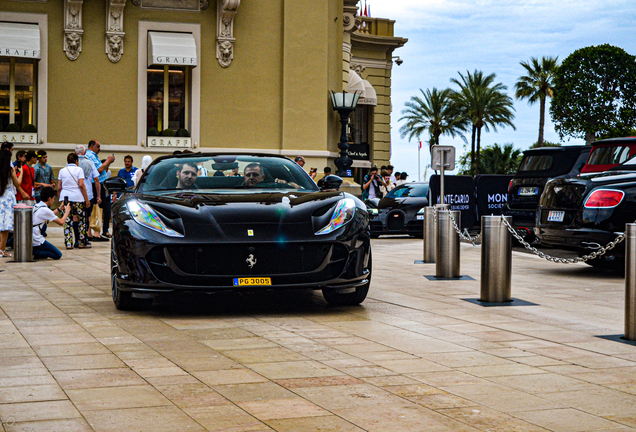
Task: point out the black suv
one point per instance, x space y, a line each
536 168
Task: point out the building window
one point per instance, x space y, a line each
18 78
168 98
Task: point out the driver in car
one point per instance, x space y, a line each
187 175
254 175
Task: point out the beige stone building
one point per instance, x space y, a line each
153 76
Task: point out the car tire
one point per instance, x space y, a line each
335 298
609 262
123 299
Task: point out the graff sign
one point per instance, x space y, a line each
19 138
169 142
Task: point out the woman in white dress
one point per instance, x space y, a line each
145 162
8 184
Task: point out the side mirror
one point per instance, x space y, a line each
115 184
330 183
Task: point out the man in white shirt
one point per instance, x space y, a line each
42 214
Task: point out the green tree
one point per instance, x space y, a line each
595 93
545 144
536 85
494 159
485 104
432 113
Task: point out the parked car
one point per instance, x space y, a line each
608 153
401 211
271 228
587 212
536 168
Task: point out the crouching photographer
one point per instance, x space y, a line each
42 214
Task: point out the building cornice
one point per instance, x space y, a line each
377 43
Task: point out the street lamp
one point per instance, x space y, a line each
344 103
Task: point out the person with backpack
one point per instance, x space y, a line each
371 185
42 214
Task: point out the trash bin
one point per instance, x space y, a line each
22 233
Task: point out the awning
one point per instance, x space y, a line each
19 40
355 83
171 49
370 97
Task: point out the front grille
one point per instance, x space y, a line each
395 220
267 259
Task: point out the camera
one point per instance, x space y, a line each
398 60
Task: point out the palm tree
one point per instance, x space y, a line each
434 113
537 86
500 160
485 104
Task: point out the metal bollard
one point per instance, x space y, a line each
447 253
430 235
630 282
22 233
496 259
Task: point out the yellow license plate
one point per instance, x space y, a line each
252 281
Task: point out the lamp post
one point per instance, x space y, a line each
344 103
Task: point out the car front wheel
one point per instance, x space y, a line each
123 299
355 297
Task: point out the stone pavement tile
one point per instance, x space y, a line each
363 347
294 407
26 380
501 370
508 352
376 356
628 420
487 419
367 371
218 333
318 382
255 392
602 402
226 418
264 355
390 380
466 359
601 362
500 336
148 373
14 340
293 369
108 398
31 393
51 329
145 363
605 347
16 352
93 361
70 349
418 389
245 343
35 411
351 396
329 423
347 362
192 395
570 370
210 362
402 417
350 340
442 400
23 372
24 362
59 338
566 420
228 376
543 383
69 425
411 366
196 323
150 419
172 380
444 379
94 378
538 360
508 401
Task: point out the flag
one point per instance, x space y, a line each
365 8
420 147
369 11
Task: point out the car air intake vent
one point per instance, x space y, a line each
395 220
253 260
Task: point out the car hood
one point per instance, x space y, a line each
397 203
233 208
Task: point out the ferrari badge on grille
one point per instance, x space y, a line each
250 233
251 261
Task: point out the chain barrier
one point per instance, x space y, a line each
464 235
582 259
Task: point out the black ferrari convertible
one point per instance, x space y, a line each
209 222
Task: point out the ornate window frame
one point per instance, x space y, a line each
142 83
43 71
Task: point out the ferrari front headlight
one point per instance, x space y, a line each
145 216
342 214
422 211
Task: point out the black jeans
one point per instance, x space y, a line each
105 206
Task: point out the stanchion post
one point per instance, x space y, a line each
430 235
496 259
447 253
630 282
22 233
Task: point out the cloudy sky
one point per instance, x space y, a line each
447 36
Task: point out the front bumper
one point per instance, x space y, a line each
396 222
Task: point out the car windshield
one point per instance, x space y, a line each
535 163
608 155
225 173
409 190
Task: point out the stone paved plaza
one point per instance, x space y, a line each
416 356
